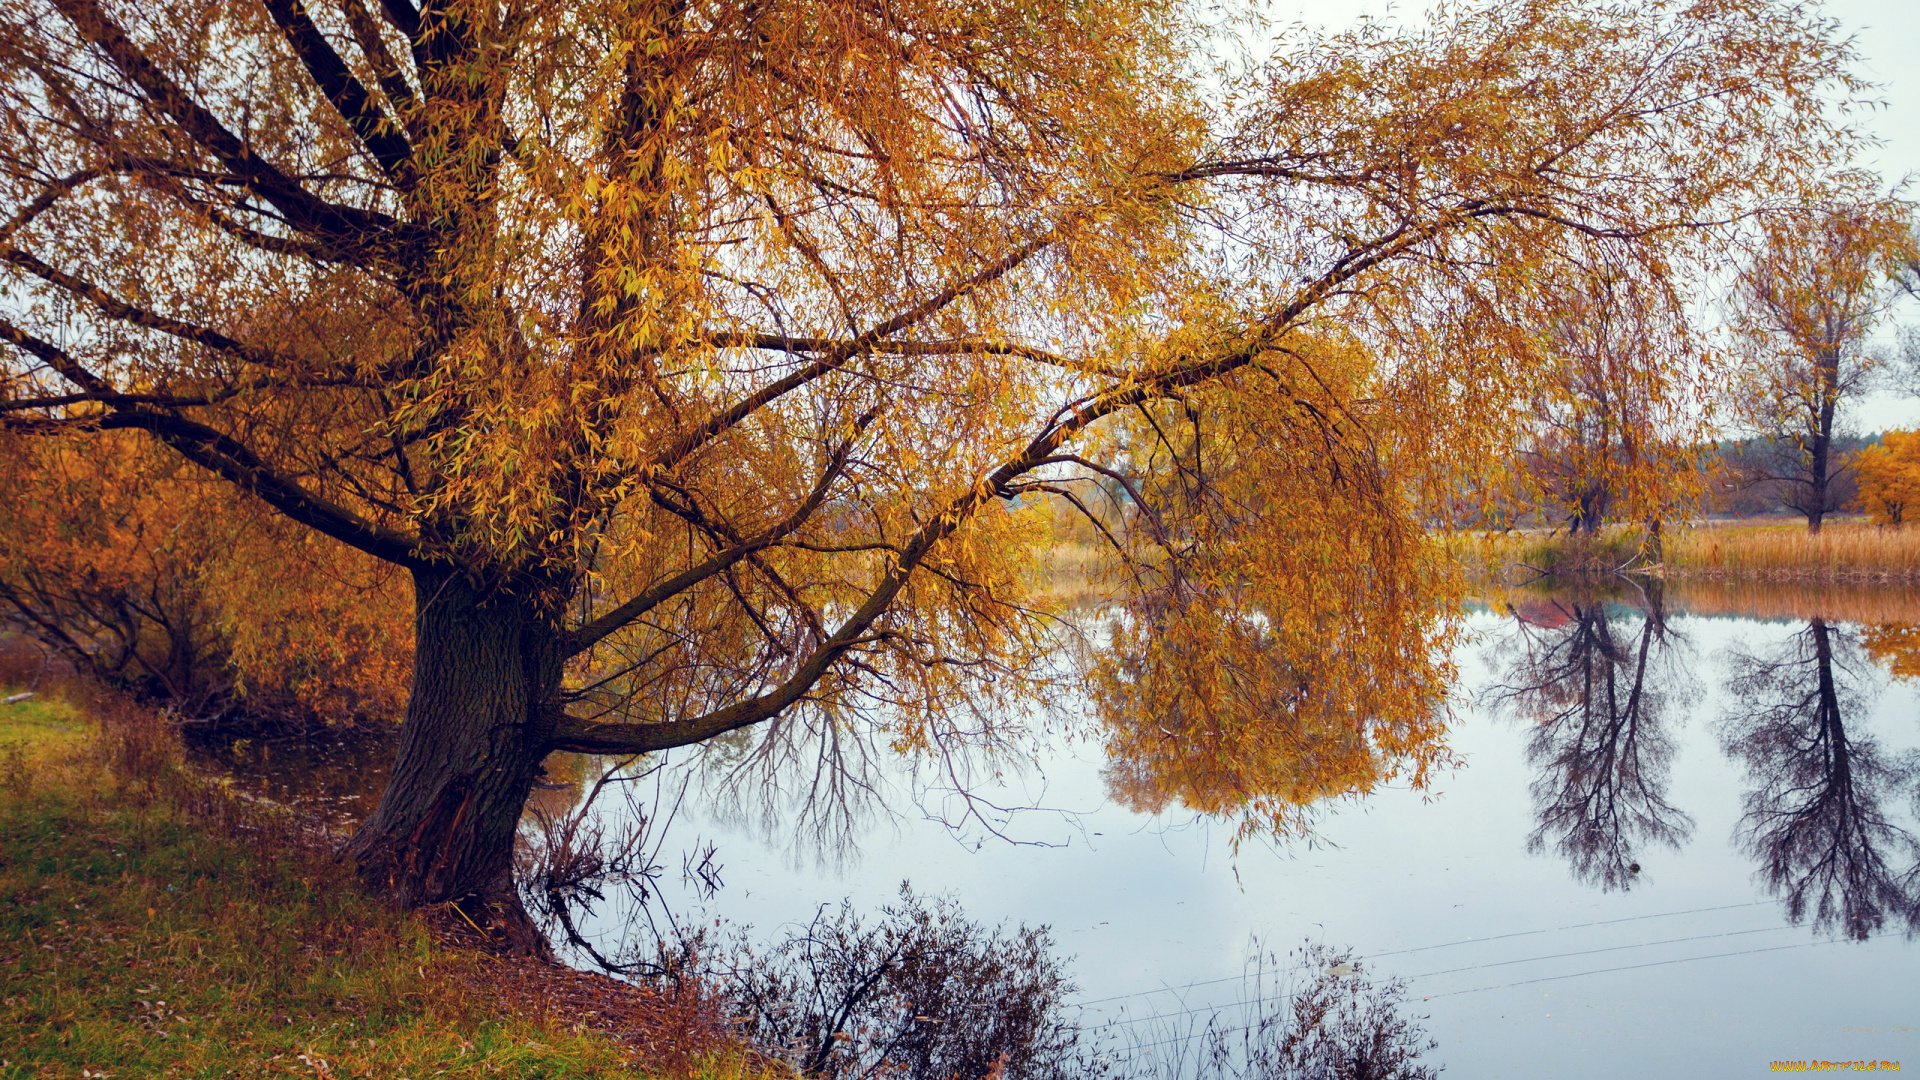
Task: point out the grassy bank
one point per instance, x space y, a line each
148 931
1844 551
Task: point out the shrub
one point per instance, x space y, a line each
923 994
1889 474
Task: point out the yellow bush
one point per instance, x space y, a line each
1890 477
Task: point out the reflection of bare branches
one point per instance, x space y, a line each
1597 703
1332 1023
923 994
1813 818
803 775
812 776
571 860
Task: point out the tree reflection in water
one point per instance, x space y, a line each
1598 694
1814 816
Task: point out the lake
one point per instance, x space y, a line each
1677 837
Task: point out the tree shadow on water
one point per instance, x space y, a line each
1815 817
1598 692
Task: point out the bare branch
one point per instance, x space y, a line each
235 462
117 308
379 135
393 82
44 201
304 210
726 418
585 637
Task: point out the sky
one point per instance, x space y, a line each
1887 36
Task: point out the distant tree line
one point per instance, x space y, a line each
1759 476
1750 426
1755 476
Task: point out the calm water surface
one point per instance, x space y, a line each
1677 844
1605 885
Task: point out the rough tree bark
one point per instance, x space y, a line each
1819 448
486 663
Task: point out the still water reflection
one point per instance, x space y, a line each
1820 810
1598 696
1678 836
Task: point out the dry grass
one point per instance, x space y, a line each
1843 551
1069 573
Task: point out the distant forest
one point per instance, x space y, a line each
1751 477
1742 478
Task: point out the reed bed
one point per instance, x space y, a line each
1847 550
1842 551
1767 569
1072 575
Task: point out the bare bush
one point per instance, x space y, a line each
1319 1016
923 993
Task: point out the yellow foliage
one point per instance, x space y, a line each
141 571
1806 305
1235 682
1897 645
1889 474
713 366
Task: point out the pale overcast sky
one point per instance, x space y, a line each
1887 35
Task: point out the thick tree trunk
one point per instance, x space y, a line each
1817 482
484 666
1590 509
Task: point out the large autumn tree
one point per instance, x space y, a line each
700 360
1611 431
1806 305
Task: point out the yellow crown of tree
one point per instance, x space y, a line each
703 363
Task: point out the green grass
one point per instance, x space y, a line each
138 941
41 722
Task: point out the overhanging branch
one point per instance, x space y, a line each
116 308
816 346
699 436
349 98
590 737
235 462
303 209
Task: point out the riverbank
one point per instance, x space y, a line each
1849 553
152 924
1846 550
